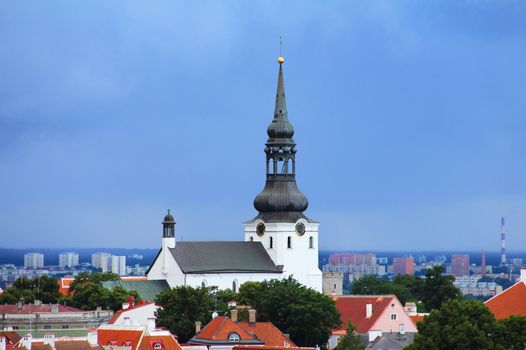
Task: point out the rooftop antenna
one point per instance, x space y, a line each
280 46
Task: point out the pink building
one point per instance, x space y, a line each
352 259
404 266
460 265
373 315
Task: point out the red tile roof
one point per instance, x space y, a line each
120 337
352 308
269 334
168 342
30 308
220 328
11 337
266 347
64 283
416 318
511 301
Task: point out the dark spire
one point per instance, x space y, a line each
168 225
281 200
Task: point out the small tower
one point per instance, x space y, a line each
291 238
168 241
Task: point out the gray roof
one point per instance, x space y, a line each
223 257
147 290
391 341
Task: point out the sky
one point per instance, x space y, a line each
409 116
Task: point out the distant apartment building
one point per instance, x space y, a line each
470 285
118 265
460 265
68 259
356 265
404 266
101 261
34 260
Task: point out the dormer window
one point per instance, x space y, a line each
233 337
157 345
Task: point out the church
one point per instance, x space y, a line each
279 242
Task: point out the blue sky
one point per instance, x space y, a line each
409 115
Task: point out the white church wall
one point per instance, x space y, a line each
174 276
226 280
300 260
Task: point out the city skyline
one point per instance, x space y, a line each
409 121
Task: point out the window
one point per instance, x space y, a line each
394 317
270 243
233 338
251 239
334 285
157 345
289 242
234 286
47 326
14 327
65 326
311 242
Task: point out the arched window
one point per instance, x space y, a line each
233 337
289 242
270 242
158 345
234 286
203 284
311 242
251 239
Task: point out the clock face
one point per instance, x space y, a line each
300 228
260 229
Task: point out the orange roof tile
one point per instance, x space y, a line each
511 301
119 337
269 334
168 342
220 328
266 347
416 318
64 283
352 308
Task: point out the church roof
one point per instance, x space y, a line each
223 257
147 290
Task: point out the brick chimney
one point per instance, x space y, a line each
252 317
197 327
233 315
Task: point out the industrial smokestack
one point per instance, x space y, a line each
483 263
503 242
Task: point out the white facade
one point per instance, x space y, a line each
68 259
118 264
34 260
137 316
101 261
298 254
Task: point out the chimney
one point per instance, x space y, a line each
233 315
197 327
252 317
368 310
92 337
3 342
125 305
402 328
27 341
37 302
131 301
54 308
20 304
151 323
49 339
373 334
523 275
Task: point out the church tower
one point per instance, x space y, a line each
290 238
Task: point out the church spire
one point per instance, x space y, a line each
280 200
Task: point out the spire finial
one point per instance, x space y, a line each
280 58
168 211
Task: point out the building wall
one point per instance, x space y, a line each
332 283
386 324
118 264
404 266
227 280
35 260
137 316
460 265
101 261
68 259
301 259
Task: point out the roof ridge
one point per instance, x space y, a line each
504 291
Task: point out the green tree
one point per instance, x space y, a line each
350 341
181 307
461 324
43 288
371 284
305 314
511 333
438 288
95 277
